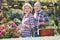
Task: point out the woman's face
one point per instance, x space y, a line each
27 9
37 7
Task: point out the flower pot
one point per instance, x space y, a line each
46 32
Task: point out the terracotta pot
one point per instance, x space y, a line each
46 32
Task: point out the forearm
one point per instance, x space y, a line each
44 24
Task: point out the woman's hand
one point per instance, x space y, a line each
26 26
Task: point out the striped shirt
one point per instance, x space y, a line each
29 20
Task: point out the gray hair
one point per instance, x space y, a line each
37 3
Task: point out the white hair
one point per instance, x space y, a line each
37 3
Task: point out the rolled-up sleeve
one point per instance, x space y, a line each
46 18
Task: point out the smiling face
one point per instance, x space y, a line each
37 7
27 9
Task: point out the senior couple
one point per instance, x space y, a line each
29 22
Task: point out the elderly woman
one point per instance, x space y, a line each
41 18
28 21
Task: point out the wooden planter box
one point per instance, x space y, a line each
46 32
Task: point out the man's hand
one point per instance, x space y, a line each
44 23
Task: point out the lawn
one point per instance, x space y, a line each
36 38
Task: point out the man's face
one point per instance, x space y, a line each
37 7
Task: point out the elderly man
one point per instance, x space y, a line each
41 18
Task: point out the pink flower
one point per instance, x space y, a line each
3 31
0 33
3 26
13 24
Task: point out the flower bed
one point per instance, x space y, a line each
9 30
